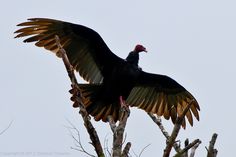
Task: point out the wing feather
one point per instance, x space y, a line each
161 105
137 96
84 46
163 96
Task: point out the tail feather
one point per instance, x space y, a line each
95 106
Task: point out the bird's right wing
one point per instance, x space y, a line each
86 50
163 96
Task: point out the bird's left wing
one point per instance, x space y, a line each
163 96
86 50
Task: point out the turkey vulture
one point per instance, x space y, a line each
111 79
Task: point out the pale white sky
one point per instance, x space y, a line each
191 41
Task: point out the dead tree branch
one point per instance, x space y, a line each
118 133
106 147
125 152
76 93
77 140
143 150
211 151
194 148
157 120
4 130
191 145
186 143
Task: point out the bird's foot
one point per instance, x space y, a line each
122 102
124 110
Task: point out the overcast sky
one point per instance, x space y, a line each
191 41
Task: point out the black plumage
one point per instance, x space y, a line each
108 75
133 58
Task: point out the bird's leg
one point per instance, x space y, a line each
122 102
124 110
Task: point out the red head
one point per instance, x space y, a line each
140 48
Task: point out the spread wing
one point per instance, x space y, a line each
85 48
163 96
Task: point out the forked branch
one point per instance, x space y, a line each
211 151
118 133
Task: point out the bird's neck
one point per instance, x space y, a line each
133 58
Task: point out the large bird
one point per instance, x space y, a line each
111 79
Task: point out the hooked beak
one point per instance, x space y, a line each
145 50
